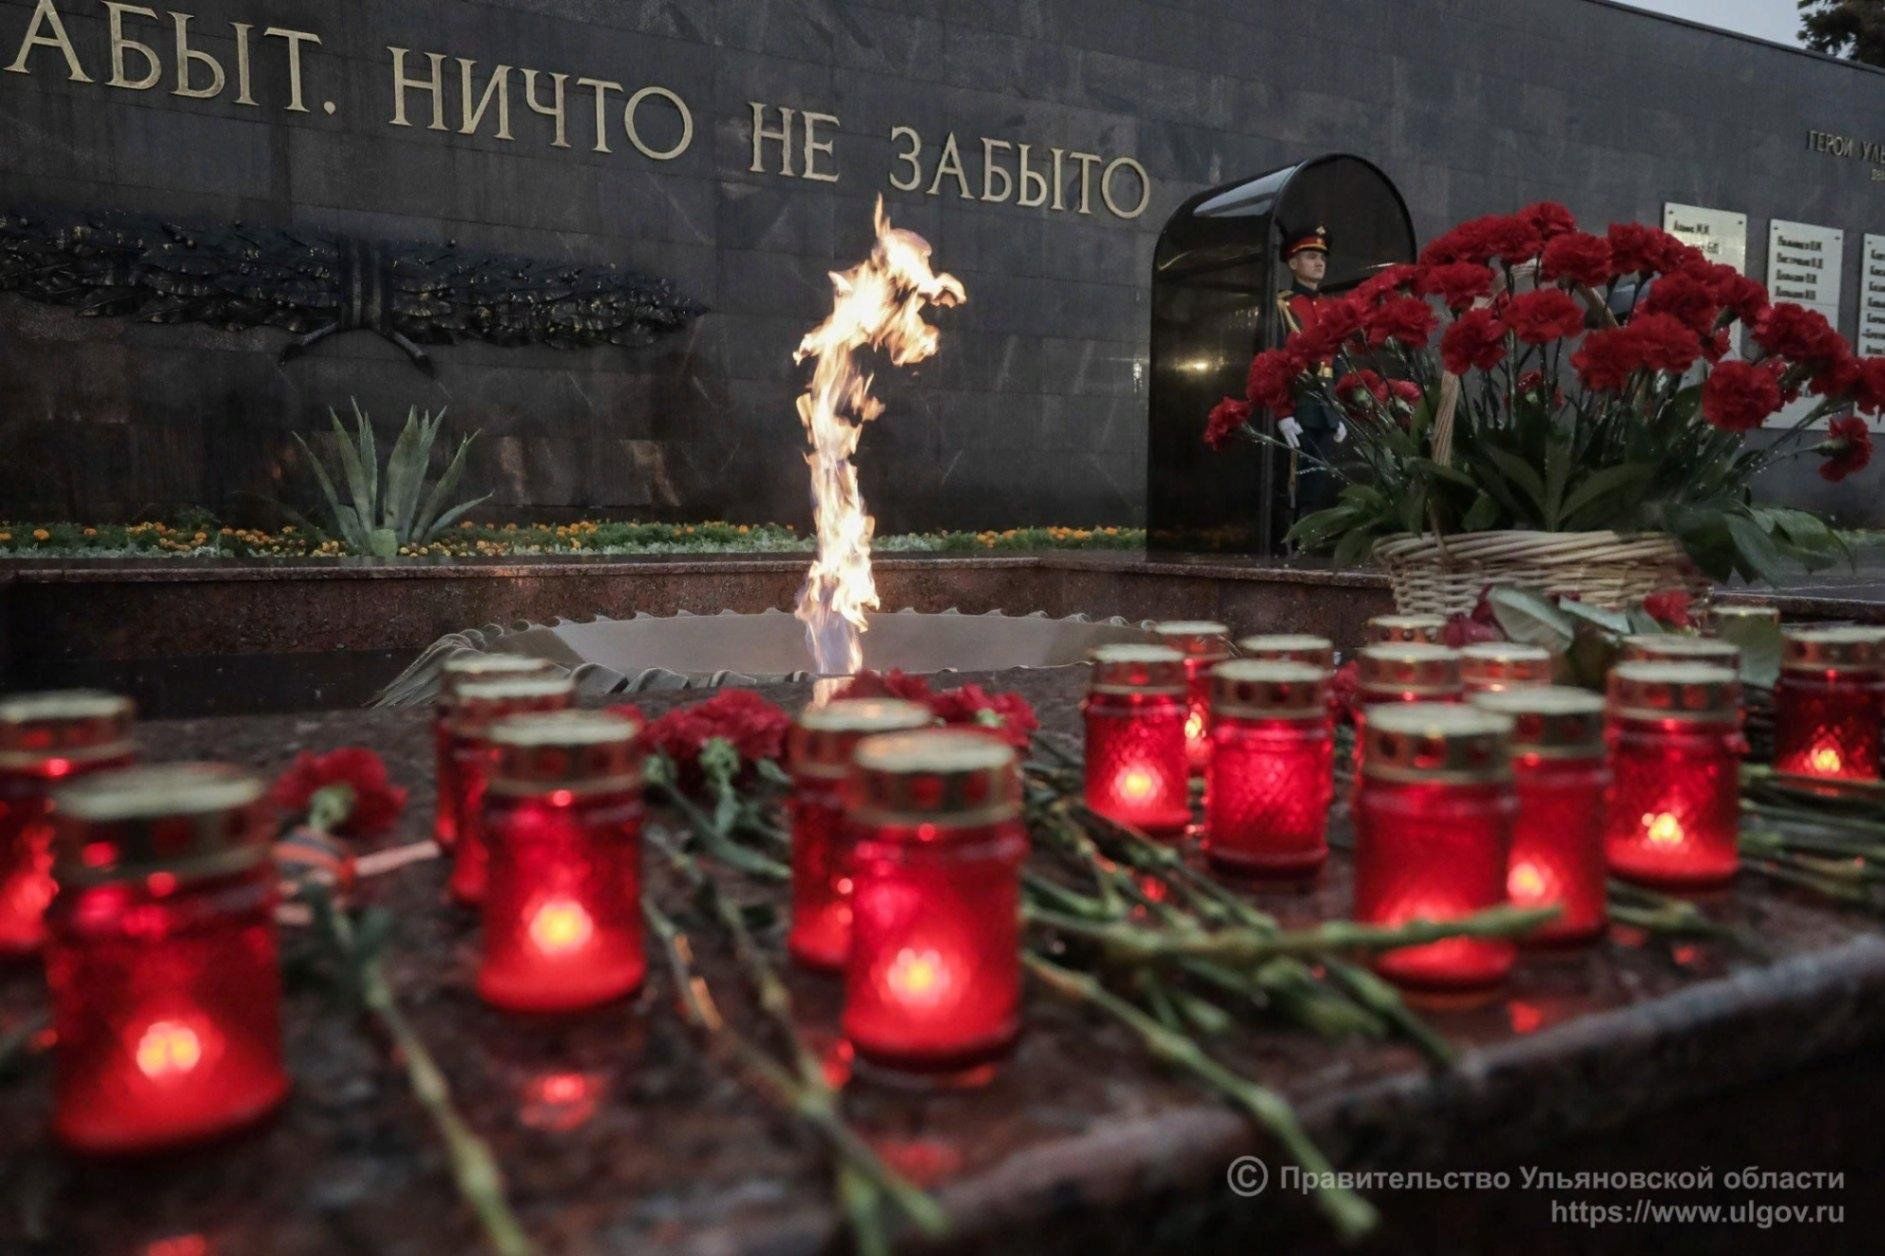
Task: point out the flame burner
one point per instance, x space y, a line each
877 304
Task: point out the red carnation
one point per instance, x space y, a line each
1350 388
1739 396
1532 384
1636 249
1272 382
1345 689
1836 376
1654 342
895 683
1476 339
1848 448
1543 316
1669 607
1407 320
1404 391
1458 284
1006 715
755 727
1462 629
1387 282
1686 297
1797 334
1336 321
1226 417
1666 344
1549 219
1470 241
1513 240
345 792
1872 385
1577 256
1733 291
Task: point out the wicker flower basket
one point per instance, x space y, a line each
1445 575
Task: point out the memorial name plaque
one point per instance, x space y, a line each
1721 234
1803 267
1872 297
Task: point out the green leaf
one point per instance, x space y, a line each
1519 473
1531 618
327 486
1755 548
1604 497
358 485
1483 515
1557 472
1617 623
430 522
1759 642
1353 548
405 474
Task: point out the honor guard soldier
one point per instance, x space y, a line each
1315 429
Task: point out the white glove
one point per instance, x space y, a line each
1292 432
1341 431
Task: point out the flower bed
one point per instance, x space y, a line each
204 539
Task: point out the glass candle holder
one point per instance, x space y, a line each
1398 673
1406 629
1828 703
1204 644
933 981
452 672
161 958
1272 768
46 739
818 754
1560 776
1675 742
1492 666
1137 767
1433 832
1676 647
1289 647
476 705
1729 622
562 830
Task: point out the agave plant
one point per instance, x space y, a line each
390 508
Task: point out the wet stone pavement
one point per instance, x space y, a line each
617 1133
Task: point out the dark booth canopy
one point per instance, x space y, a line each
1215 279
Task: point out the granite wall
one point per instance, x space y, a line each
1035 409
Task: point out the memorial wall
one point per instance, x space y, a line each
406 190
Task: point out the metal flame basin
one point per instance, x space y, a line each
685 651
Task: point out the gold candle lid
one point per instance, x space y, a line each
1492 664
585 751
1676 647
1270 689
1385 629
1194 638
1858 651
824 735
183 819
1442 742
953 778
1294 647
1137 669
1408 667
1662 690
82 725
461 668
479 701
1550 721
1742 613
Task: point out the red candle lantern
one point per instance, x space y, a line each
1493 666
1675 749
1560 775
160 957
454 671
476 705
1204 644
1676 647
1272 768
1399 673
1137 768
562 828
819 752
1290 647
1406 629
1828 703
45 740
933 981
1433 829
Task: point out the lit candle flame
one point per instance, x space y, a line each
167 1050
1662 829
1526 884
918 976
560 926
1826 760
1137 784
878 304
